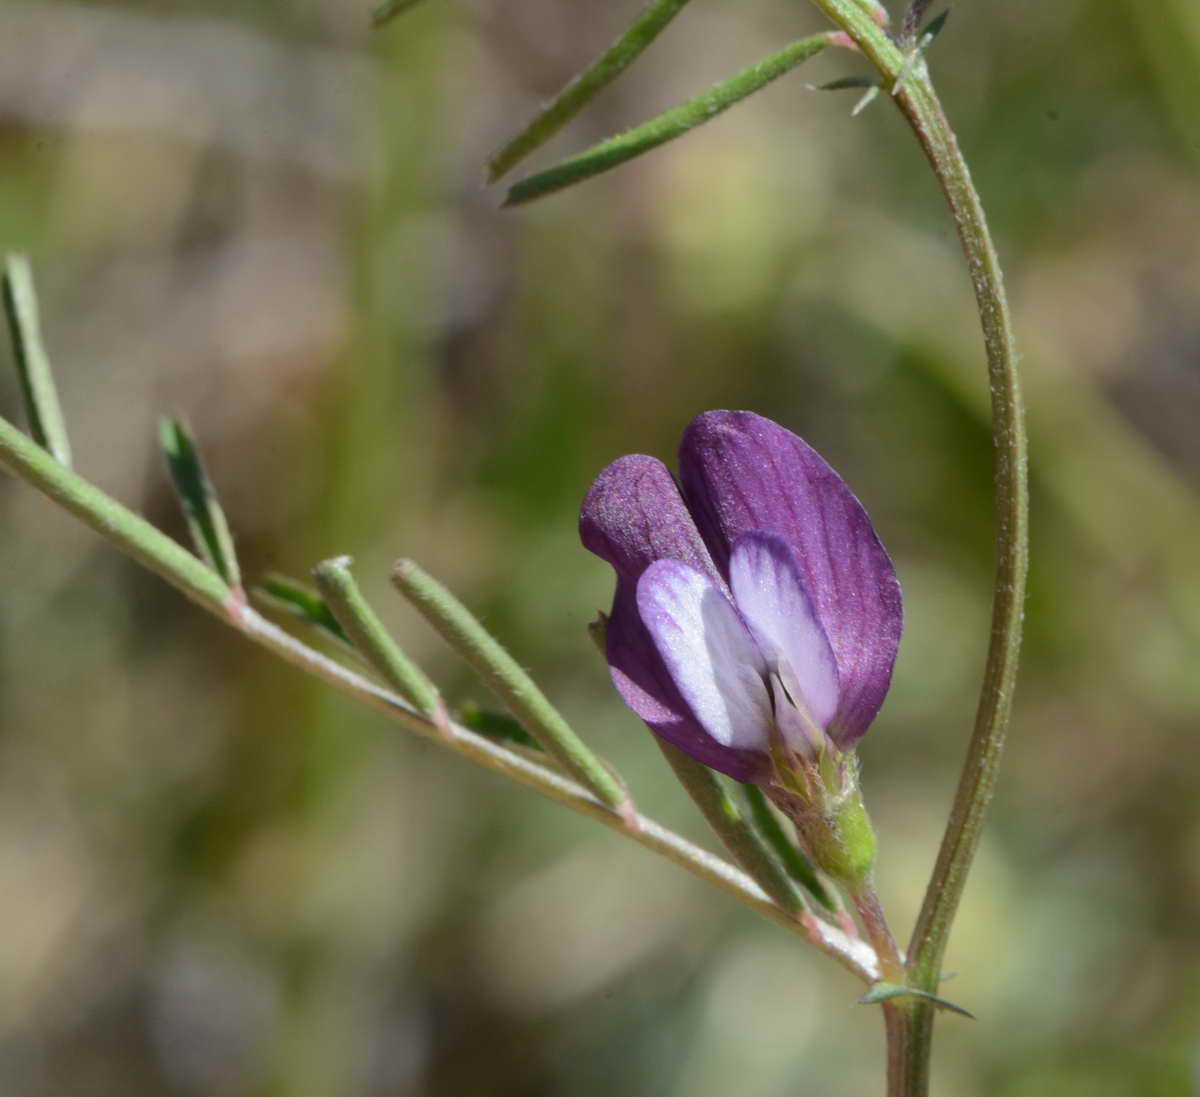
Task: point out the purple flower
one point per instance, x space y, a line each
755 608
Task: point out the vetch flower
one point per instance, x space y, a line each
756 616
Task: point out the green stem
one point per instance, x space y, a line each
870 912
159 554
42 406
897 1012
977 782
584 87
920 105
131 533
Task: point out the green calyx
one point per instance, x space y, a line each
855 840
823 799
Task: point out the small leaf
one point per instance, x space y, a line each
47 425
883 992
934 29
510 682
798 867
848 82
498 726
386 11
666 127
205 518
300 601
584 87
371 639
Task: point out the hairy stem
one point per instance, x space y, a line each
919 103
875 926
1010 448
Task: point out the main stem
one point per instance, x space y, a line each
1010 449
920 105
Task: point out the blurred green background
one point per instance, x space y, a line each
216 878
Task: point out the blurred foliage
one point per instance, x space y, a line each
219 880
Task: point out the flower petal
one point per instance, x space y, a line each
632 516
768 590
709 653
742 472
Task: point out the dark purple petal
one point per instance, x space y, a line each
742 472
708 651
632 516
768 589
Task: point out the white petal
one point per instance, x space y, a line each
708 652
765 578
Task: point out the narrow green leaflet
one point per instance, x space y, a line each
576 95
797 865
301 601
46 423
934 29
497 726
710 794
509 681
372 640
883 992
386 11
666 127
850 82
205 518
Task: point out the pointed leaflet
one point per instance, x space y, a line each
290 595
589 83
42 406
388 10
742 472
666 127
205 519
632 516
